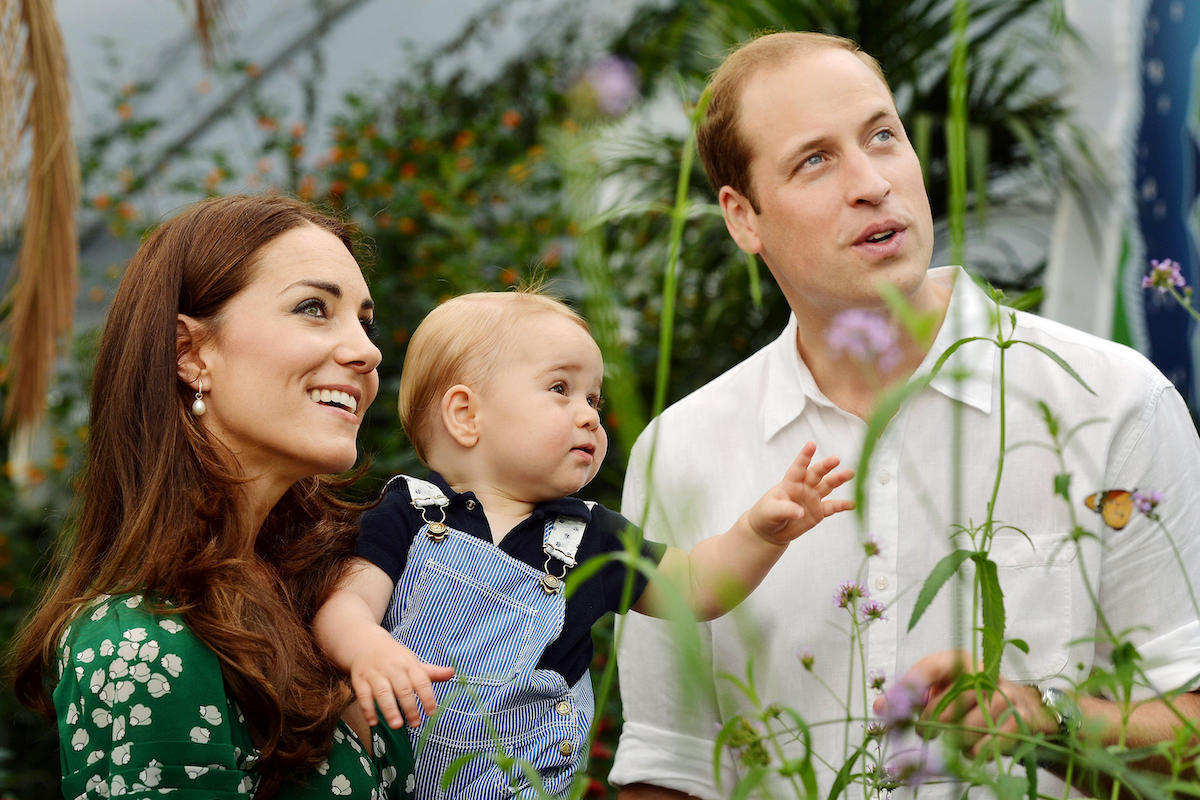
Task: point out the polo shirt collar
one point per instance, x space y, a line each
789 383
566 506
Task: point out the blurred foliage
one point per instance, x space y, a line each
452 182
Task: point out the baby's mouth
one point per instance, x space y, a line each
335 398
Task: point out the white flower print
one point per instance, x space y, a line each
118 668
127 650
200 735
97 681
194 772
410 783
388 775
152 774
158 685
95 756
118 730
124 690
100 612
148 651
210 714
79 740
354 743
133 601
72 714
338 736
340 785
378 744
107 648
246 785
101 718
85 656
117 785
97 785
324 768
172 664
140 672
366 765
139 715
170 625
108 694
120 753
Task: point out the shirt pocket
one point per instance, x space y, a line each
459 621
1037 576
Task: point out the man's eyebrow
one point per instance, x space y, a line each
331 288
819 142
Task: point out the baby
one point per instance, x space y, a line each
500 395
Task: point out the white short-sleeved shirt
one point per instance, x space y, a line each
717 450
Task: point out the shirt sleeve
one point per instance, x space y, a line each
670 724
616 530
386 531
142 709
1150 570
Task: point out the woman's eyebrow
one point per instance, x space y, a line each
325 286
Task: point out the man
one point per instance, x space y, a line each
816 175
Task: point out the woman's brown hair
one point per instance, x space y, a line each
158 507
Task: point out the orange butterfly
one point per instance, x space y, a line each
1115 506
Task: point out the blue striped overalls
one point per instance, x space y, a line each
464 603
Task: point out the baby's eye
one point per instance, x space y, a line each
596 401
312 307
559 387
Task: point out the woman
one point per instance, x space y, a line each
173 645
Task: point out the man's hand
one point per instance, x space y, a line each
986 718
388 673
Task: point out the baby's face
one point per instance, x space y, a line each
540 435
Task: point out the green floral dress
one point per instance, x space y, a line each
143 711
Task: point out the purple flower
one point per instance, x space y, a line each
865 336
916 765
1164 275
871 611
613 83
1146 502
875 729
902 701
806 659
876 680
849 591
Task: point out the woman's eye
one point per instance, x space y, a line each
369 326
312 307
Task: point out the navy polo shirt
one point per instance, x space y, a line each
386 532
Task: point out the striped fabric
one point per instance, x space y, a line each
464 603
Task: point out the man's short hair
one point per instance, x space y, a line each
459 342
723 149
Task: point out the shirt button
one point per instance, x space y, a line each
470 505
563 707
881 582
566 748
884 477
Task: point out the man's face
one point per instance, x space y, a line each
842 205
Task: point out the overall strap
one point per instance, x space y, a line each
560 540
425 495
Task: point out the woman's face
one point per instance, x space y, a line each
289 368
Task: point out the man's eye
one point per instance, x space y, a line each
885 136
312 307
814 160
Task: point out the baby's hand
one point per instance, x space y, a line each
797 503
388 673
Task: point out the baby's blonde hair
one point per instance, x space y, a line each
457 343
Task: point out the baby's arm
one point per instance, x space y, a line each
381 669
722 570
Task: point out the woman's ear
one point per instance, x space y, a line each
460 407
189 364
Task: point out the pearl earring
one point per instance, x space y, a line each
198 405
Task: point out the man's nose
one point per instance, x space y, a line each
864 182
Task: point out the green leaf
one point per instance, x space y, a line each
933 584
1057 359
993 613
842 780
1011 787
1062 485
754 776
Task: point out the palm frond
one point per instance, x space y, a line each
43 297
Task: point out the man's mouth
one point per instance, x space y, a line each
335 398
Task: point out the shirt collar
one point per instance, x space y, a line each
564 506
790 385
